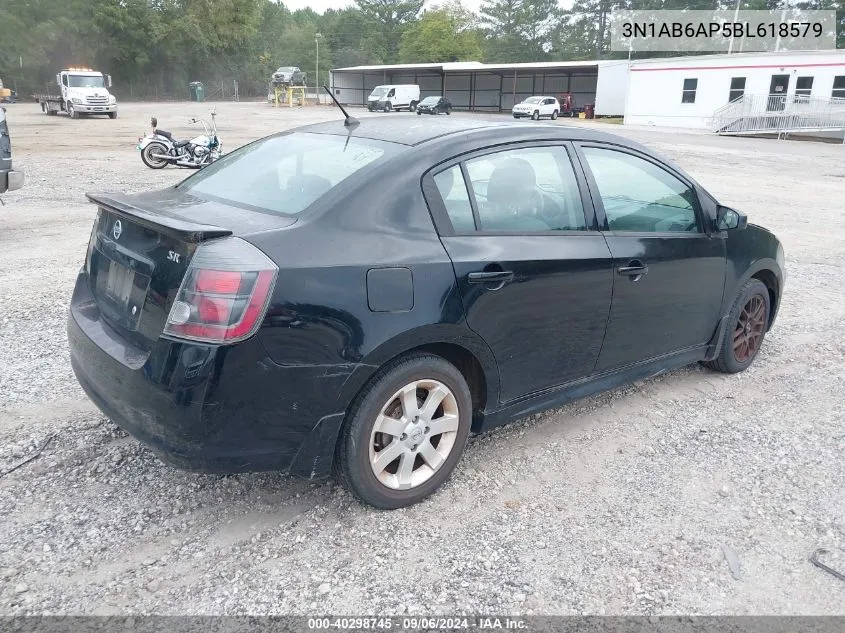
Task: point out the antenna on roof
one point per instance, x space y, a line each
350 121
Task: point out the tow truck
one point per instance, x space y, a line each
82 91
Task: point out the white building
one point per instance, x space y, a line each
493 87
686 91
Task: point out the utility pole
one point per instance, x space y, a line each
317 37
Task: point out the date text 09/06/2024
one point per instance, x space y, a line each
416 623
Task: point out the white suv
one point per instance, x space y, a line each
535 107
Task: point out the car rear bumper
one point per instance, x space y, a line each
206 407
11 179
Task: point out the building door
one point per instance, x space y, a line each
777 93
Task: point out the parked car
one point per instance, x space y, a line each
363 296
10 178
537 107
394 97
434 105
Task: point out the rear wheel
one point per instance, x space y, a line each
554 115
746 329
413 106
535 116
151 161
406 433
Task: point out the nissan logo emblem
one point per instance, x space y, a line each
117 229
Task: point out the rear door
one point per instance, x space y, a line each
534 272
669 274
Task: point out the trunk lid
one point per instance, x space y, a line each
140 249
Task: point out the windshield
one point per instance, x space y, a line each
533 100
286 174
430 100
286 69
84 81
379 91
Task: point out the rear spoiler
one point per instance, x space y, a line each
177 227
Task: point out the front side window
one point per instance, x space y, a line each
526 190
639 196
286 174
690 87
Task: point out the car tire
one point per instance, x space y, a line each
409 477
112 115
419 113
746 329
535 116
413 106
448 112
72 111
388 106
554 115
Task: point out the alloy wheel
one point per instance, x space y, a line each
414 434
750 328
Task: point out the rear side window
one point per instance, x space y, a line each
450 184
286 174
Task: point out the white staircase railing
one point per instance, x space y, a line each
779 114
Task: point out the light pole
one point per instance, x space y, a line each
317 37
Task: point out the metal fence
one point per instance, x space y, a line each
779 114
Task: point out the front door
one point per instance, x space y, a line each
534 273
778 88
668 273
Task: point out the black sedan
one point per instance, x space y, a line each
434 105
361 298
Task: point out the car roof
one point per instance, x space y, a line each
413 131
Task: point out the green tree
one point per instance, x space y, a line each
442 34
518 30
392 18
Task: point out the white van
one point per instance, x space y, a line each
398 97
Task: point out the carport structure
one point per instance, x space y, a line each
487 87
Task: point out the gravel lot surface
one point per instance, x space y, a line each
624 503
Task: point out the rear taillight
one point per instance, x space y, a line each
224 295
92 241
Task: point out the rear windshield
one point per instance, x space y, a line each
286 174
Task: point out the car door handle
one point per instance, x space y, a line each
633 271
490 277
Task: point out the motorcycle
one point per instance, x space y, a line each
159 149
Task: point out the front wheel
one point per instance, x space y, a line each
745 331
404 436
72 111
151 161
535 116
112 115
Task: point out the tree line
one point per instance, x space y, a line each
154 48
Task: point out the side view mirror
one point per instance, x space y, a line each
728 219
154 122
108 79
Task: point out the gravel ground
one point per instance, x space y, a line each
625 503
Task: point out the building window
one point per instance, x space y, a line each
690 86
737 88
838 87
803 89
